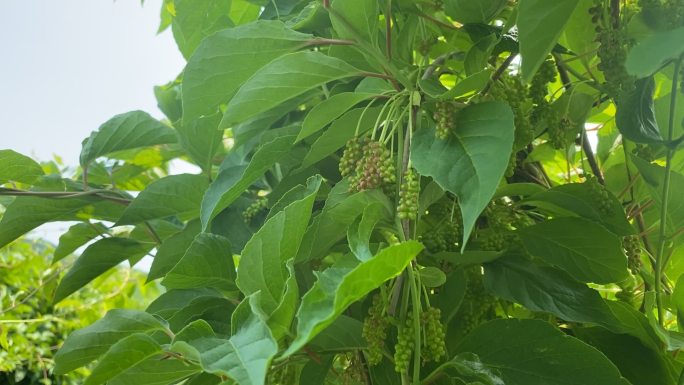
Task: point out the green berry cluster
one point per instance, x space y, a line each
405 345
351 156
512 90
444 238
600 196
444 119
375 330
375 169
614 45
408 195
255 209
434 346
477 306
539 85
632 246
558 132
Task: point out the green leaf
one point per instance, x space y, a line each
18 168
470 163
547 289
341 209
245 357
468 11
654 176
24 214
170 252
196 19
85 345
343 284
77 236
468 367
635 116
124 354
345 333
244 11
155 371
201 139
232 182
359 233
468 86
226 59
432 276
340 131
282 79
124 132
96 260
355 19
653 52
329 110
174 195
533 352
181 307
577 199
540 24
586 250
262 265
208 262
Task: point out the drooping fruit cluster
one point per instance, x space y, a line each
375 330
255 209
477 306
444 237
614 44
375 168
512 89
351 156
444 119
408 195
539 85
600 196
434 346
405 345
558 131
632 246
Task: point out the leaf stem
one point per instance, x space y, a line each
662 239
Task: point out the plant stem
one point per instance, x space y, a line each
499 71
388 29
662 239
415 298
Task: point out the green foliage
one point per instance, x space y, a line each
391 192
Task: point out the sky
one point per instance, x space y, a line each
69 65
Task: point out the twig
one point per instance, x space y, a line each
388 29
499 71
430 69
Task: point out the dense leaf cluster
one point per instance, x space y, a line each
387 192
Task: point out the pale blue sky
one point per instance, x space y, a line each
69 65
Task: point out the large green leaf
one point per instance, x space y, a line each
547 289
174 195
345 283
355 19
201 139
635 116
651 53
85 345
533 352
262 265
654 176
124 132
225 60
196 19
96 260
172 250
329 110
125 353
359 233
77 236
540 24
586 250
245 357
472 161
18 168
208 262
181 307
155 371
25 213
340 131
232 182
282 79
468 11
577 199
